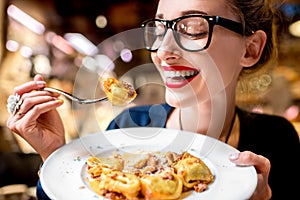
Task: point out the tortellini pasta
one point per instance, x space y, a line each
119 182
119 93
110 179
164 184
192 170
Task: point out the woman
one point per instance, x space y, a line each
201 48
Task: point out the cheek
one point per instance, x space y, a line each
227 52
155 59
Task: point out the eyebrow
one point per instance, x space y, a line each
188 12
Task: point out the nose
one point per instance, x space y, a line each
169 48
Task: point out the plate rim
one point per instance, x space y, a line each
77 141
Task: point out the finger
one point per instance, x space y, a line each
15 117
29 86
38 93
28 103
248 158
38 77
17 123
34 113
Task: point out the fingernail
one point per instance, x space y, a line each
40 83
234 156
59 100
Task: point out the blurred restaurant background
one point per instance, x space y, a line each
72 44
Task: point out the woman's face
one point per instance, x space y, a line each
197 76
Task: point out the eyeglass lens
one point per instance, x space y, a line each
190 33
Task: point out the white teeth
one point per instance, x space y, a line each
183 73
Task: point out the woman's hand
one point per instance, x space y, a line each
37 120
262 166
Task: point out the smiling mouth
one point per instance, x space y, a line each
186 74
179 78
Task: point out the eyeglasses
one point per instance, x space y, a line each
191 32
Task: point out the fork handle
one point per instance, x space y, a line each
68 95
74 98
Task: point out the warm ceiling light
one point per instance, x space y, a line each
294 29
81 43
42 64
126 55
23 18
62 44
12 45
105 63
101 21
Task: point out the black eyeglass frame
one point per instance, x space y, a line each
229 24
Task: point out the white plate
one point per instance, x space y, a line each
64 176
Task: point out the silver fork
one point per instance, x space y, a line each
74 98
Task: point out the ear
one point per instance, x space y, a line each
254 48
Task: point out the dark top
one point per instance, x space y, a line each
271 136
